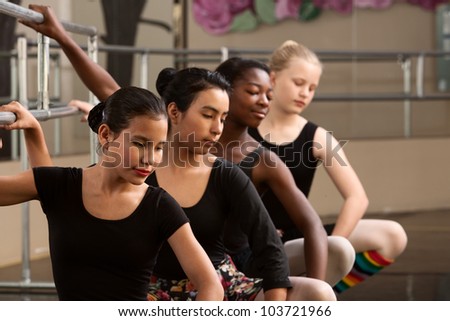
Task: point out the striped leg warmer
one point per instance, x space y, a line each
366 264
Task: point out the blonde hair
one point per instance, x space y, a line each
281 57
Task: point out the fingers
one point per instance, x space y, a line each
24 119
39 8
83 106
13 107
30 23
44 10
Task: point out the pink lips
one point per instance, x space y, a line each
299 103
142 172
209 143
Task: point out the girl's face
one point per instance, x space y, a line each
249 102
138 149
200 127
294 87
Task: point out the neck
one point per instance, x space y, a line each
178 155
278 118
233 132
102 179
235 142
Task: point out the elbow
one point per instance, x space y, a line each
364 202
211 291
220 293
358 201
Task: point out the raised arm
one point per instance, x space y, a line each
97 79
34 137
83 106
329 151
275 174
17 189
196 264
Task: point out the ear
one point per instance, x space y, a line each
173 112
104 134
272 78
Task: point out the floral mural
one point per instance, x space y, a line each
222 16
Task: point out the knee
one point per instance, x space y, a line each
341 252
398 238
309 289
341 258
323 292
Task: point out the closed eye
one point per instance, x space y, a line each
138 144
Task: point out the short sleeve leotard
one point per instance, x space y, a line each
96 259
230 195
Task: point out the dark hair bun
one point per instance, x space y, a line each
95 117
165 76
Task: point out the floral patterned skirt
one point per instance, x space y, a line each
237 287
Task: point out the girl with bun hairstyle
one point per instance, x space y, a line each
210 190
105 224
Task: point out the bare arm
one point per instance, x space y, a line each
83 106
34 137
338 167
97 79
196 264
17 189
278 178
278 294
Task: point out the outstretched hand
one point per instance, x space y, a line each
50 27
83 106
24 119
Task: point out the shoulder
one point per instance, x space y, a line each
228 174
164 203
57 185
325 143
323 135
53 172
270 159
159 196
311 127
57 169
271 168
224 166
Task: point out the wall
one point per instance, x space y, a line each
399 176
401 27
